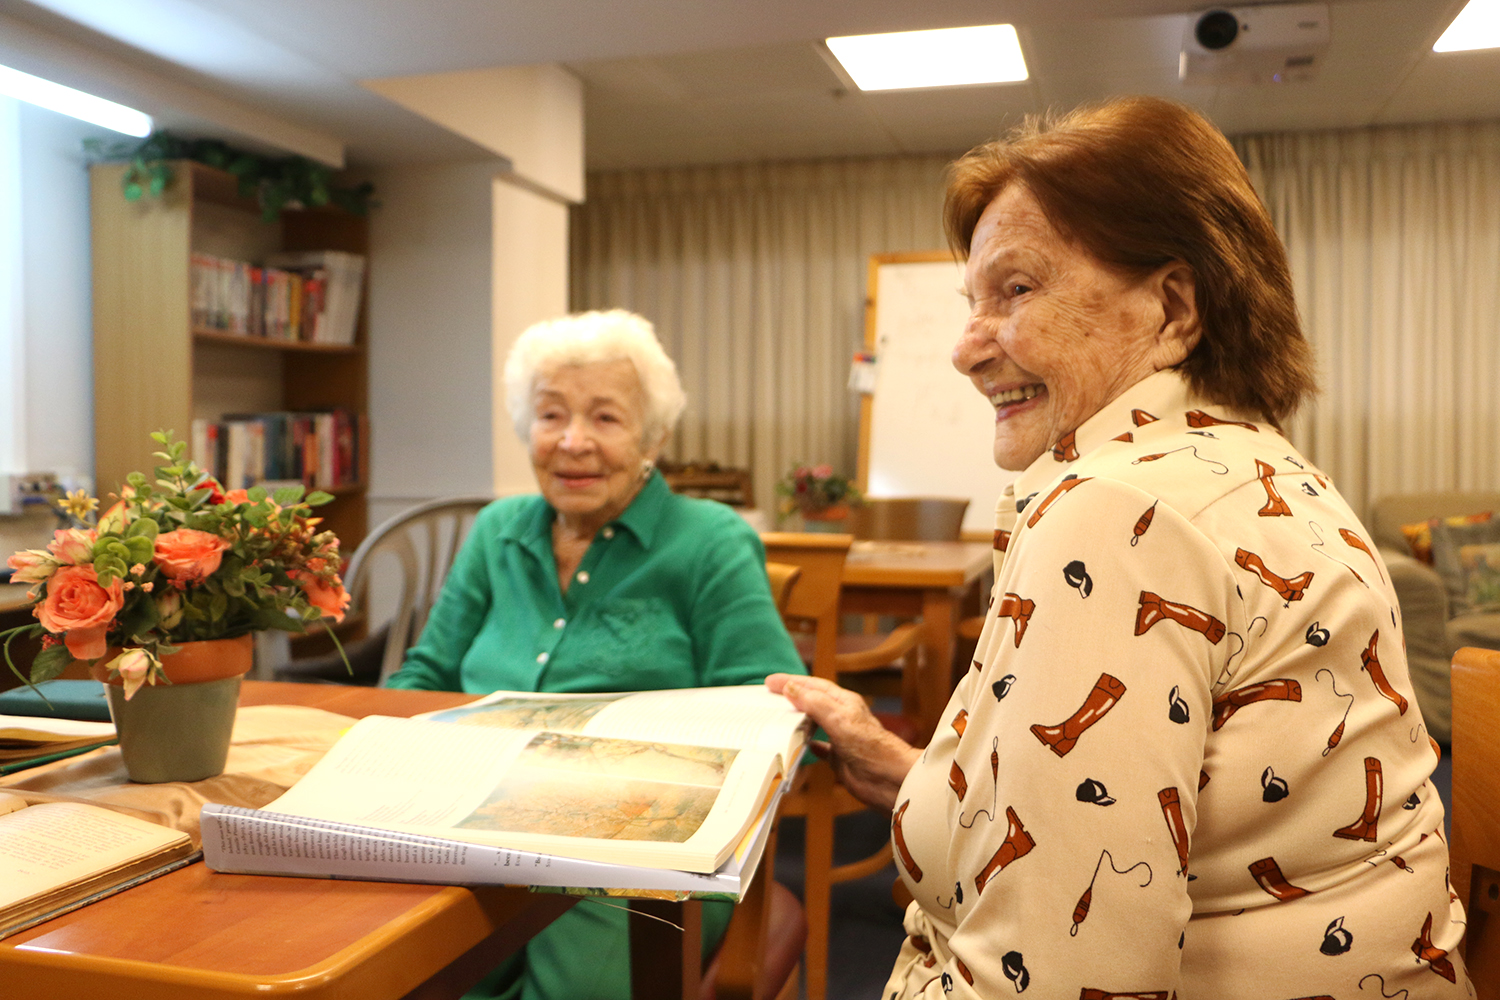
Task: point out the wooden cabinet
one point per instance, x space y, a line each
153 371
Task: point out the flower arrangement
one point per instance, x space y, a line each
813 489
177 560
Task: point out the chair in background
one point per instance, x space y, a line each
781 577
414 551
1474 867
813 604
909 519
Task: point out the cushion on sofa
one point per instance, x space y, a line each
1467 557
1419 534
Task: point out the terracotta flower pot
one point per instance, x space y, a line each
180 731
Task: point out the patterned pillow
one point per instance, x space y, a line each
1467 557
1419 535
1481 566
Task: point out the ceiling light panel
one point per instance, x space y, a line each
74 103
942 57
1477 26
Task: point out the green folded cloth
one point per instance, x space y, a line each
63 700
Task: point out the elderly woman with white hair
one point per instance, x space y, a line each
606 581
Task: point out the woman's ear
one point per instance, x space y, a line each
1182 325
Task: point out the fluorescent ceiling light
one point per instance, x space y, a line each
943 57
1477 26
74 103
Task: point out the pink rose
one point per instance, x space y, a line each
72 546
169 607
822 471
134 666
31 566
80 609
188 555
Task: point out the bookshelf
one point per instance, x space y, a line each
154 371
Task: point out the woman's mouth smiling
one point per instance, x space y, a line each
1008 401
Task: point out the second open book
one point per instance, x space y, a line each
650 790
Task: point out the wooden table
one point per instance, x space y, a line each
927 580
194 934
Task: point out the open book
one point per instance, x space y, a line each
26 740
667 790
58 856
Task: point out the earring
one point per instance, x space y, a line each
646 466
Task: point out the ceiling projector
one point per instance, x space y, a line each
1269 43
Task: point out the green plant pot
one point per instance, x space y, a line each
175 732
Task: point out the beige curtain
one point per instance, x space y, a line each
1394 239
754 275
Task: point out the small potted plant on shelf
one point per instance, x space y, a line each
161 595
817 493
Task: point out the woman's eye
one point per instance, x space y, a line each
1016 288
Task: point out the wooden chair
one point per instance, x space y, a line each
813 602
1474 867
708 480
782 576
415 549
909 519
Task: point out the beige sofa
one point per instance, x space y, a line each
1432 632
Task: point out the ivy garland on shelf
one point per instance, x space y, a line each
275 183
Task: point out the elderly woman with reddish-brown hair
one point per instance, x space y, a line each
1187 761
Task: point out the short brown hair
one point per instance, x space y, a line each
1140 182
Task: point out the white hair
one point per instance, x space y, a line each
591 338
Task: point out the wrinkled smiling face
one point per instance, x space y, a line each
586 430
1053 334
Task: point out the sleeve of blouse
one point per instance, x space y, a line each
457 616
738 636
1073 789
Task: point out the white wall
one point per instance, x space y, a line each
54 378
530 285
430 322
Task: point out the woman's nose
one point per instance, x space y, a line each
575 437
976 346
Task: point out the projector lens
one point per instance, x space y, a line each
1217 29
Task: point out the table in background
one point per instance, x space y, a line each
194 934
927 580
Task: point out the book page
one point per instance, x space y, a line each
641 802
57 843
745 716
39 730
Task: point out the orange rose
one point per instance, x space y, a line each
80 609
187 555
332 600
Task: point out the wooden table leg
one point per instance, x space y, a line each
665 962
939 615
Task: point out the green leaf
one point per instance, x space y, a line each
133 191
270 618
142 528
218 607
141 550
318 498
288 495
257 494
50 663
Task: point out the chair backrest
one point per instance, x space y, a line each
1474 868
814 598
909 519
413 553
782 576
711 482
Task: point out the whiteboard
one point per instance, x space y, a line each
927 431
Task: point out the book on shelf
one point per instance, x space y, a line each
669 791
320 449
26 740
309 297
58 856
